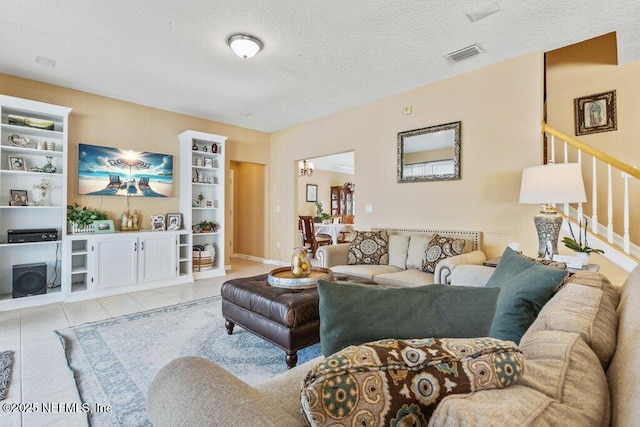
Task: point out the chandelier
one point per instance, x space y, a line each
306 168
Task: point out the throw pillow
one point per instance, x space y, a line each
417 247
397 383
369 247
352 314
439 248
398 249
526 286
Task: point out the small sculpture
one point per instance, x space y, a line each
44 185
135 219
124 219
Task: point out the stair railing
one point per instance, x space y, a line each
557 149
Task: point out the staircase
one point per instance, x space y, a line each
610 206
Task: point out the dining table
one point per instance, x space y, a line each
332 230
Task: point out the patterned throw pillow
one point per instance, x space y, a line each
400 382
439 248
369 247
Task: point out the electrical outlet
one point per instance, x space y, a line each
407 110
278 245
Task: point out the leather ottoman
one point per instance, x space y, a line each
288 318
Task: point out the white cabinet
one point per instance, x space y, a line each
33 153
116 261
157 257
202 194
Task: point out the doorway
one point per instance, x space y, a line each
247 200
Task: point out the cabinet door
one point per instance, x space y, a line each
116 261
158 257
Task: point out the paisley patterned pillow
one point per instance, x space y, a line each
400 382
439 248
369 247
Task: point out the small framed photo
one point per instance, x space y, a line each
174 221
595 113
19 198
209 203
103 226
208 163
17 163
312 193
157 223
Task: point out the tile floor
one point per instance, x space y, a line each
40 373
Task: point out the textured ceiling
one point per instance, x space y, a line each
319 57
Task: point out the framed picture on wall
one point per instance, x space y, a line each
596 113
312 193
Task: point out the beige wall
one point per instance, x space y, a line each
249 201
324 180
588 68
104 121
500 107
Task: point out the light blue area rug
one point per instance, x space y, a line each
114 361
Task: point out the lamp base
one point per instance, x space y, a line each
548 226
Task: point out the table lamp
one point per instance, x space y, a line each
546 185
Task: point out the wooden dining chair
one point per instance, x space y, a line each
305 224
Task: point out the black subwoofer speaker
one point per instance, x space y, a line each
29 279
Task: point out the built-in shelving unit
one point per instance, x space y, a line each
202 196
33 152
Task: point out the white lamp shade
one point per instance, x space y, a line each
552 183
244 46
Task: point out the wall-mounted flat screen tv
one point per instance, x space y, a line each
108 171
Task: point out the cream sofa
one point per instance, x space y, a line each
406 253
582 370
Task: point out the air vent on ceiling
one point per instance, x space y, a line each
464 53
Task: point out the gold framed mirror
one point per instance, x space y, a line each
430 154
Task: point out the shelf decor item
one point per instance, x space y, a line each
81 220
44 185
19 198
19 141
17 163
30 122
174 221
49 168
157 222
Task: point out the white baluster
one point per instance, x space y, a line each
566 160
609 206
594 198
626 243
553 149
580 212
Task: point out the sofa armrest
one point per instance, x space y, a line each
471 275
331 255
193 391
445 267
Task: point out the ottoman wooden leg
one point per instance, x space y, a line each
291 359
229 325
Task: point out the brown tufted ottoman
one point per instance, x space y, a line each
288 318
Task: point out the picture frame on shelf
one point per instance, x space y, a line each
174 221
102 226
157 223
595 113
209 203
17 163
312 193
208 163
19 198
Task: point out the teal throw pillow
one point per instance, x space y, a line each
526 286
353 314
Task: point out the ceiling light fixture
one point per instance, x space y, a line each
245 46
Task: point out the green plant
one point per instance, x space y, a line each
325 216
208 225
319 209
83 217
576 244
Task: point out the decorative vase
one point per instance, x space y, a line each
300 262
214 148
49 168
194 147
584 257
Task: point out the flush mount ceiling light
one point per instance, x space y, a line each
245 46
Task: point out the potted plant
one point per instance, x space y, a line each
81 218
319 212
208 226
582 250
325 217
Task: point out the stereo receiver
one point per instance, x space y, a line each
32 235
